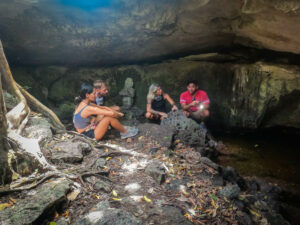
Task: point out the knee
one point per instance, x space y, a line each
206 113
148 115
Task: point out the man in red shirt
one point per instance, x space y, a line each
194 102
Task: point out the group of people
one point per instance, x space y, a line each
93 119
194 102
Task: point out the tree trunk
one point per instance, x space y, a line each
18 118
5 173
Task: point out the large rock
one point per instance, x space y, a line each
188 130
161 134
68 151
156 171
104 214
29 209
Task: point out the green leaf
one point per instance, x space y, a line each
52 223
213 197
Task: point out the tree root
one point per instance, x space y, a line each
114 154
37 106
4 192
96 174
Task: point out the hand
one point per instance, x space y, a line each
117 114
163 115
120 114
174 108
194 103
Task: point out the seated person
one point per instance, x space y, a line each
101 92
194 102
83 116
156 103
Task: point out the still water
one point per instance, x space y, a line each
274 156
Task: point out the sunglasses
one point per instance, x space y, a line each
97 87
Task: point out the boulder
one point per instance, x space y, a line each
230 191
69 152
104 214
188 130
161 134
156 171
29 209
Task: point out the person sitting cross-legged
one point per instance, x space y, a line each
85 123
156 103
195 102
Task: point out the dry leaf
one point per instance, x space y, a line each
114 193
66 214
117 199
4 206
96 196
147 199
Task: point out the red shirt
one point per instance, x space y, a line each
200 96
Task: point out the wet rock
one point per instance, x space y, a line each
68 151
107 215
156 171
230 192
188 130
163 135
29 209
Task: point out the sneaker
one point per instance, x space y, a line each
130 132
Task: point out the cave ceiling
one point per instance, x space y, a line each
111 32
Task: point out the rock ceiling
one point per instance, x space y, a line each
110 32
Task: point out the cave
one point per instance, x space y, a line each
245 54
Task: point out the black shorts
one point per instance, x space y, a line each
89 133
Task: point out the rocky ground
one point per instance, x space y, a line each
164 175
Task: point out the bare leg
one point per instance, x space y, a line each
103 125
200 115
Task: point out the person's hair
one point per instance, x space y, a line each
192 82
98 83
152 90
85 89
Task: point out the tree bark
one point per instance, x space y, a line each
5 173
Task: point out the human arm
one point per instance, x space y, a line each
150 110
185 106
170 100
92 110
116 109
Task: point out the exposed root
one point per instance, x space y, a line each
37 106
3 192
114 154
